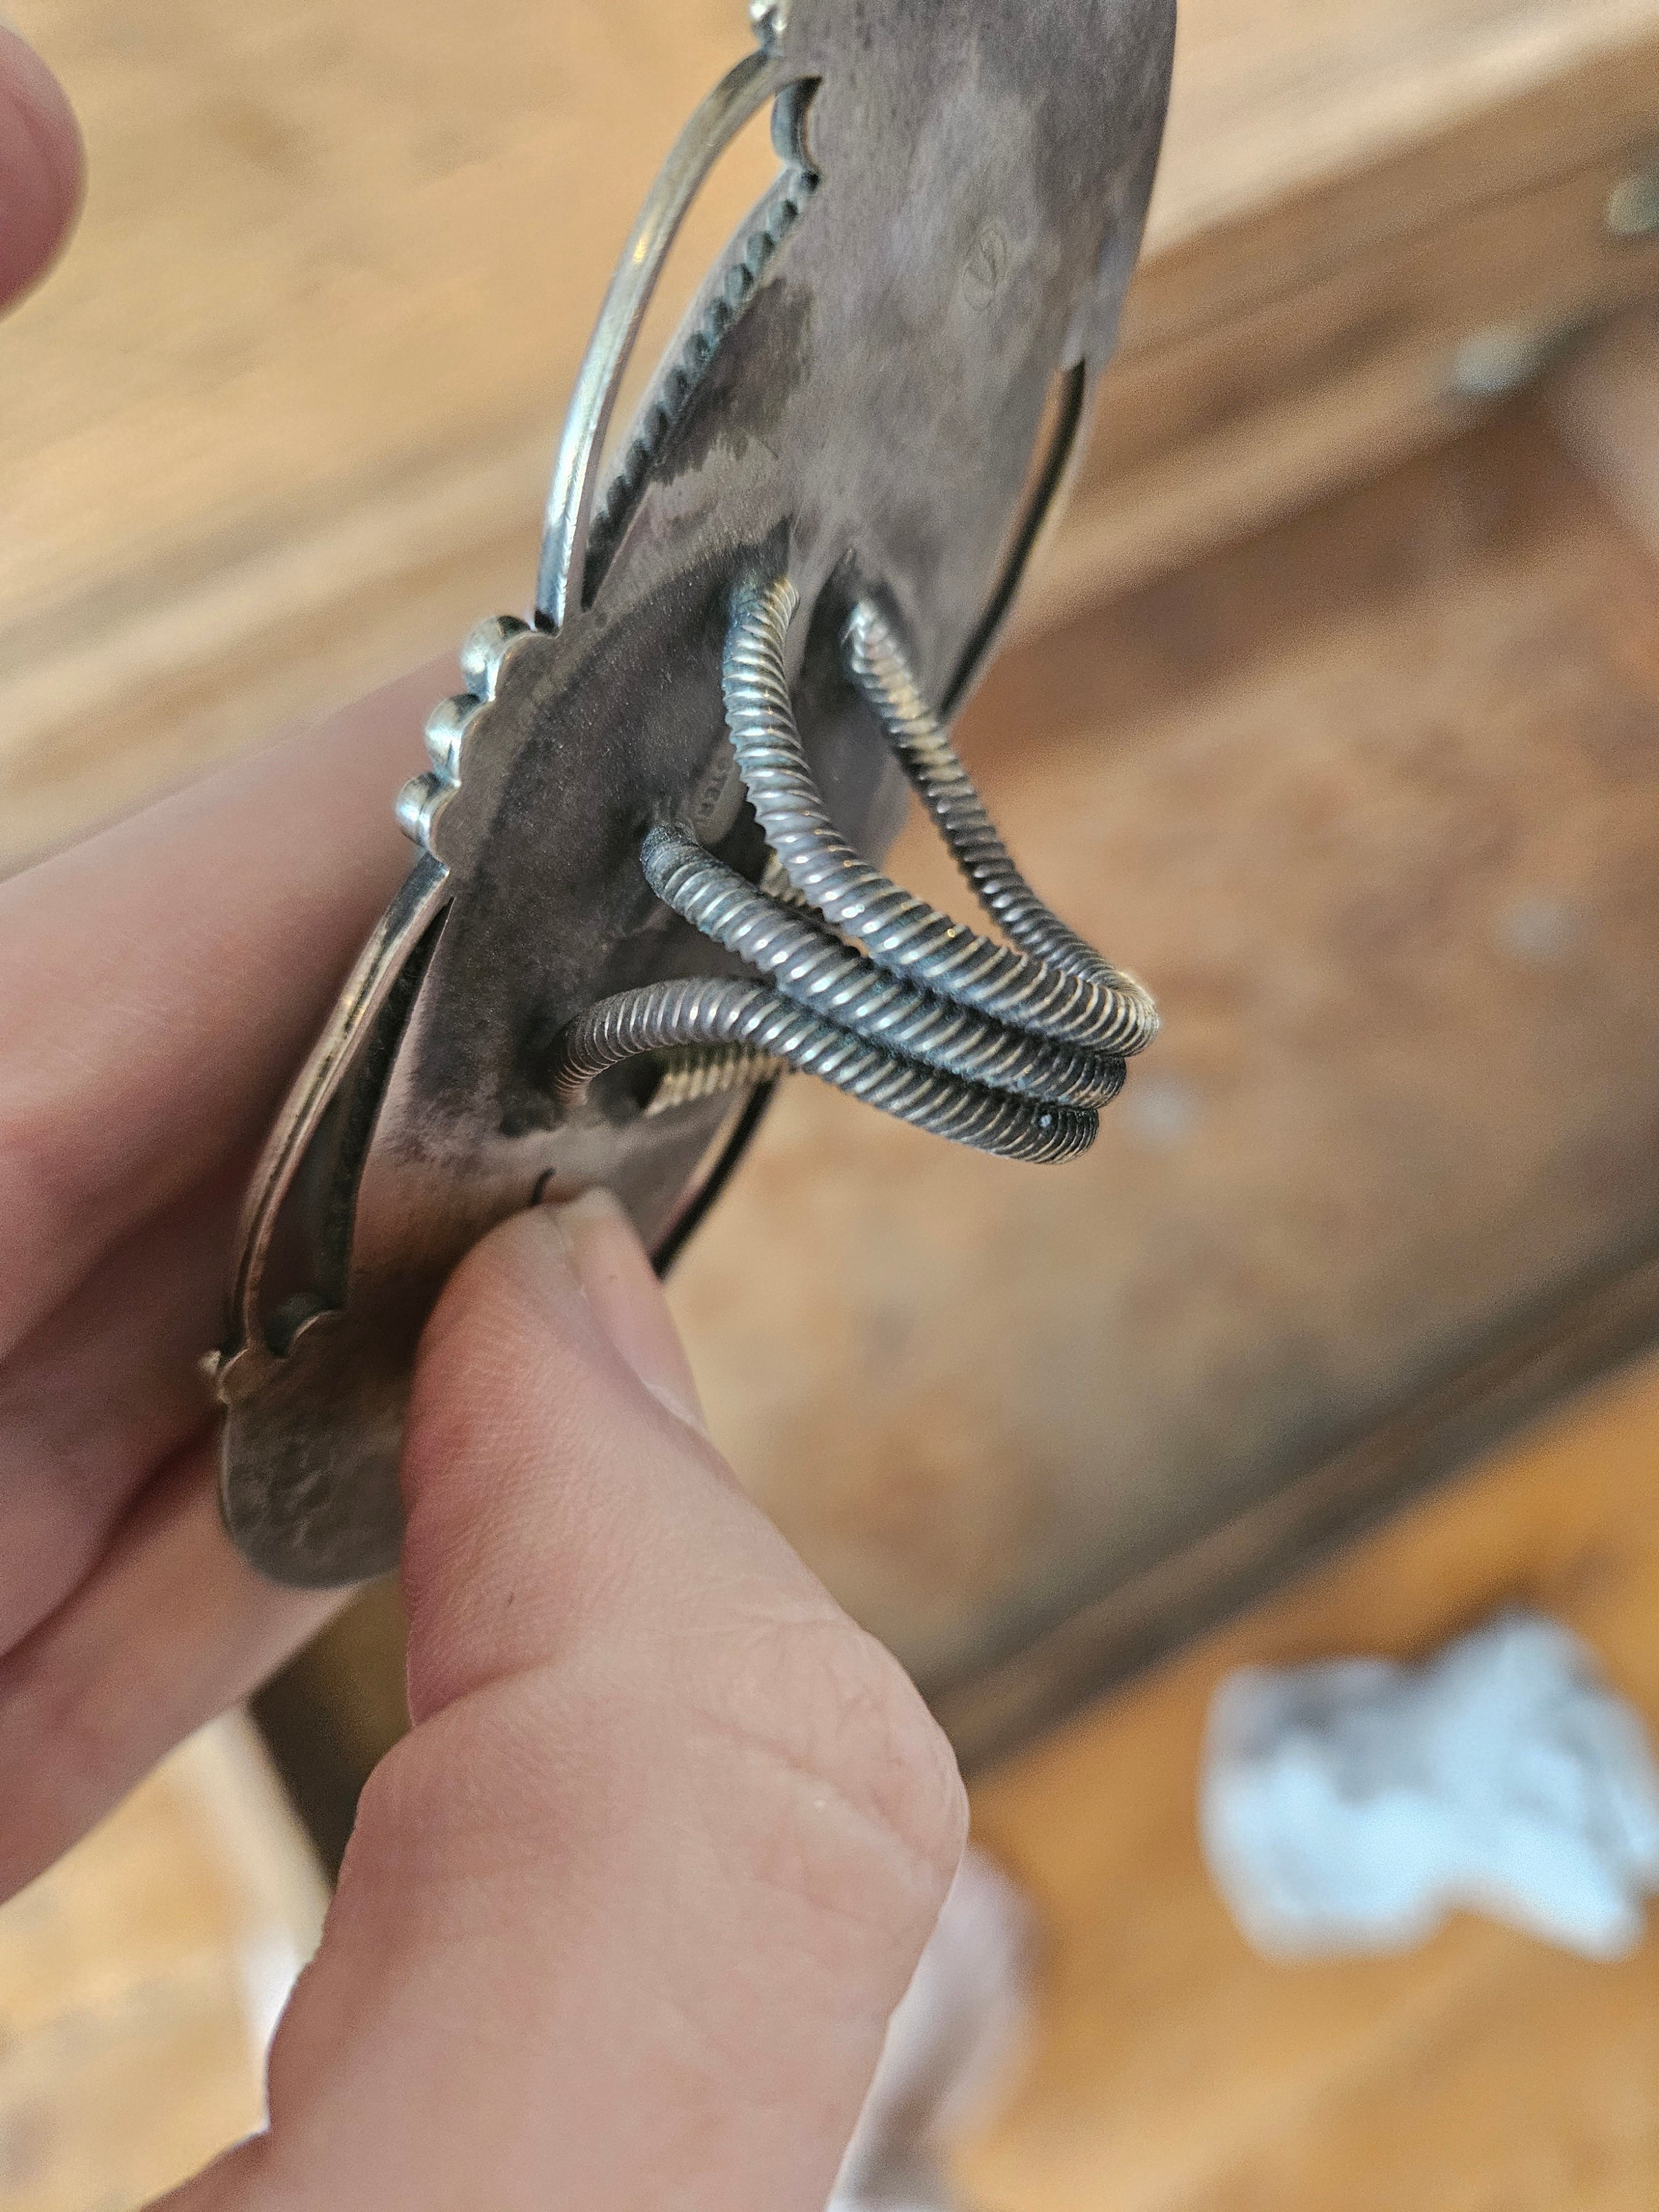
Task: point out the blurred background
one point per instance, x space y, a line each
1333 709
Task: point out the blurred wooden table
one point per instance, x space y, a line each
1175 2072
283 422
140 1979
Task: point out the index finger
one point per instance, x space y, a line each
40 166
165 979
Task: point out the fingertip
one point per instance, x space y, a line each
552 1439
41 166
622 1288
576 1271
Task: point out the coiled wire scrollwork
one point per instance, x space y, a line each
1011 1048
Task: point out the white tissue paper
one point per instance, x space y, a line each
956 2034
1347 1808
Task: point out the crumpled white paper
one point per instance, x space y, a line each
956 2034
1348 1808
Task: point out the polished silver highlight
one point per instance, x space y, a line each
739 96
770 20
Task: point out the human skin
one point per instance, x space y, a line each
624 1915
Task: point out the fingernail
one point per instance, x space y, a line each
620 1286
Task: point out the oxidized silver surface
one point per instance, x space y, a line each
854 405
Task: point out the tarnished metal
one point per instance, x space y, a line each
855 403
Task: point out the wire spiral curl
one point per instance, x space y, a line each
1011 1048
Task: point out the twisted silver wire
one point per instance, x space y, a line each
724 1012
879 667
1086 1004
713 1072
815 969
1013 1048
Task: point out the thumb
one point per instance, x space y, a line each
40 166
624 1917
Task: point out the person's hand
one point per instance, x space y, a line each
624 1916
621 1922
40 166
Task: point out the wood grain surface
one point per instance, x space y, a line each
138 1980
283 422
1278 346
1174 2071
